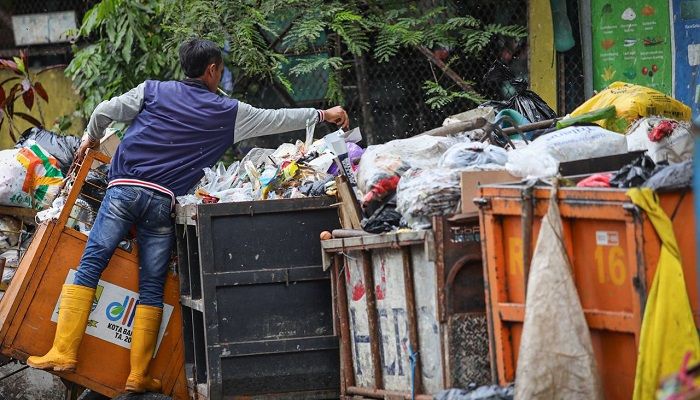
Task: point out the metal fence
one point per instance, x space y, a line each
395 104
571 77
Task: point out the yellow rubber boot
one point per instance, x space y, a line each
73 312
143 343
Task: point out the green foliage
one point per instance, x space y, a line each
126 46
439 96
133 40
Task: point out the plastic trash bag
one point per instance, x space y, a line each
632 102
424 193
384 219
633 174
62 148
674 176
676 147
525 101
596 181
668 328
29 177
464 155
382 165
556 359
542 157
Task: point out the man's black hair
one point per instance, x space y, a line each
197 54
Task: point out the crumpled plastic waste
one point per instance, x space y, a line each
384 219
424 193
290 171
465 155
9 232
11 257
51 213
652 134
663 129
674 176
596 181
633 174
492 392
316 188
7 274
382 165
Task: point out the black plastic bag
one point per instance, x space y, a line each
634 174
525 101
384 219
62 148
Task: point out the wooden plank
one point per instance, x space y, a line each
375 241
351 214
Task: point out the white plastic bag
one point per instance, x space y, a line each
29 177
424 193
52 213
466 155
676 148
397 156
542 157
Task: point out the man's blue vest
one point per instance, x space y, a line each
182 128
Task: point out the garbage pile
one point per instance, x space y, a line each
31 174
14 239
406 182
293 170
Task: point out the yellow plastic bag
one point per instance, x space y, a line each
631 103
668 329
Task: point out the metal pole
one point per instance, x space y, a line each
585 24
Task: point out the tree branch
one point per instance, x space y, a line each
447 70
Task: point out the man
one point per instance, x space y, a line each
177 129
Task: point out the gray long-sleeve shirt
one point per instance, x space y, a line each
250 121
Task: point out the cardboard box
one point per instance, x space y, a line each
471 181
110 141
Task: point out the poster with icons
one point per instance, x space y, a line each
632 43
686 34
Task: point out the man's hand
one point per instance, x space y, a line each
337 116
87 143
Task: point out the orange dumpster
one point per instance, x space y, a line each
29 308
614 251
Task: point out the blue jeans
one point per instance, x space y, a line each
151 213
